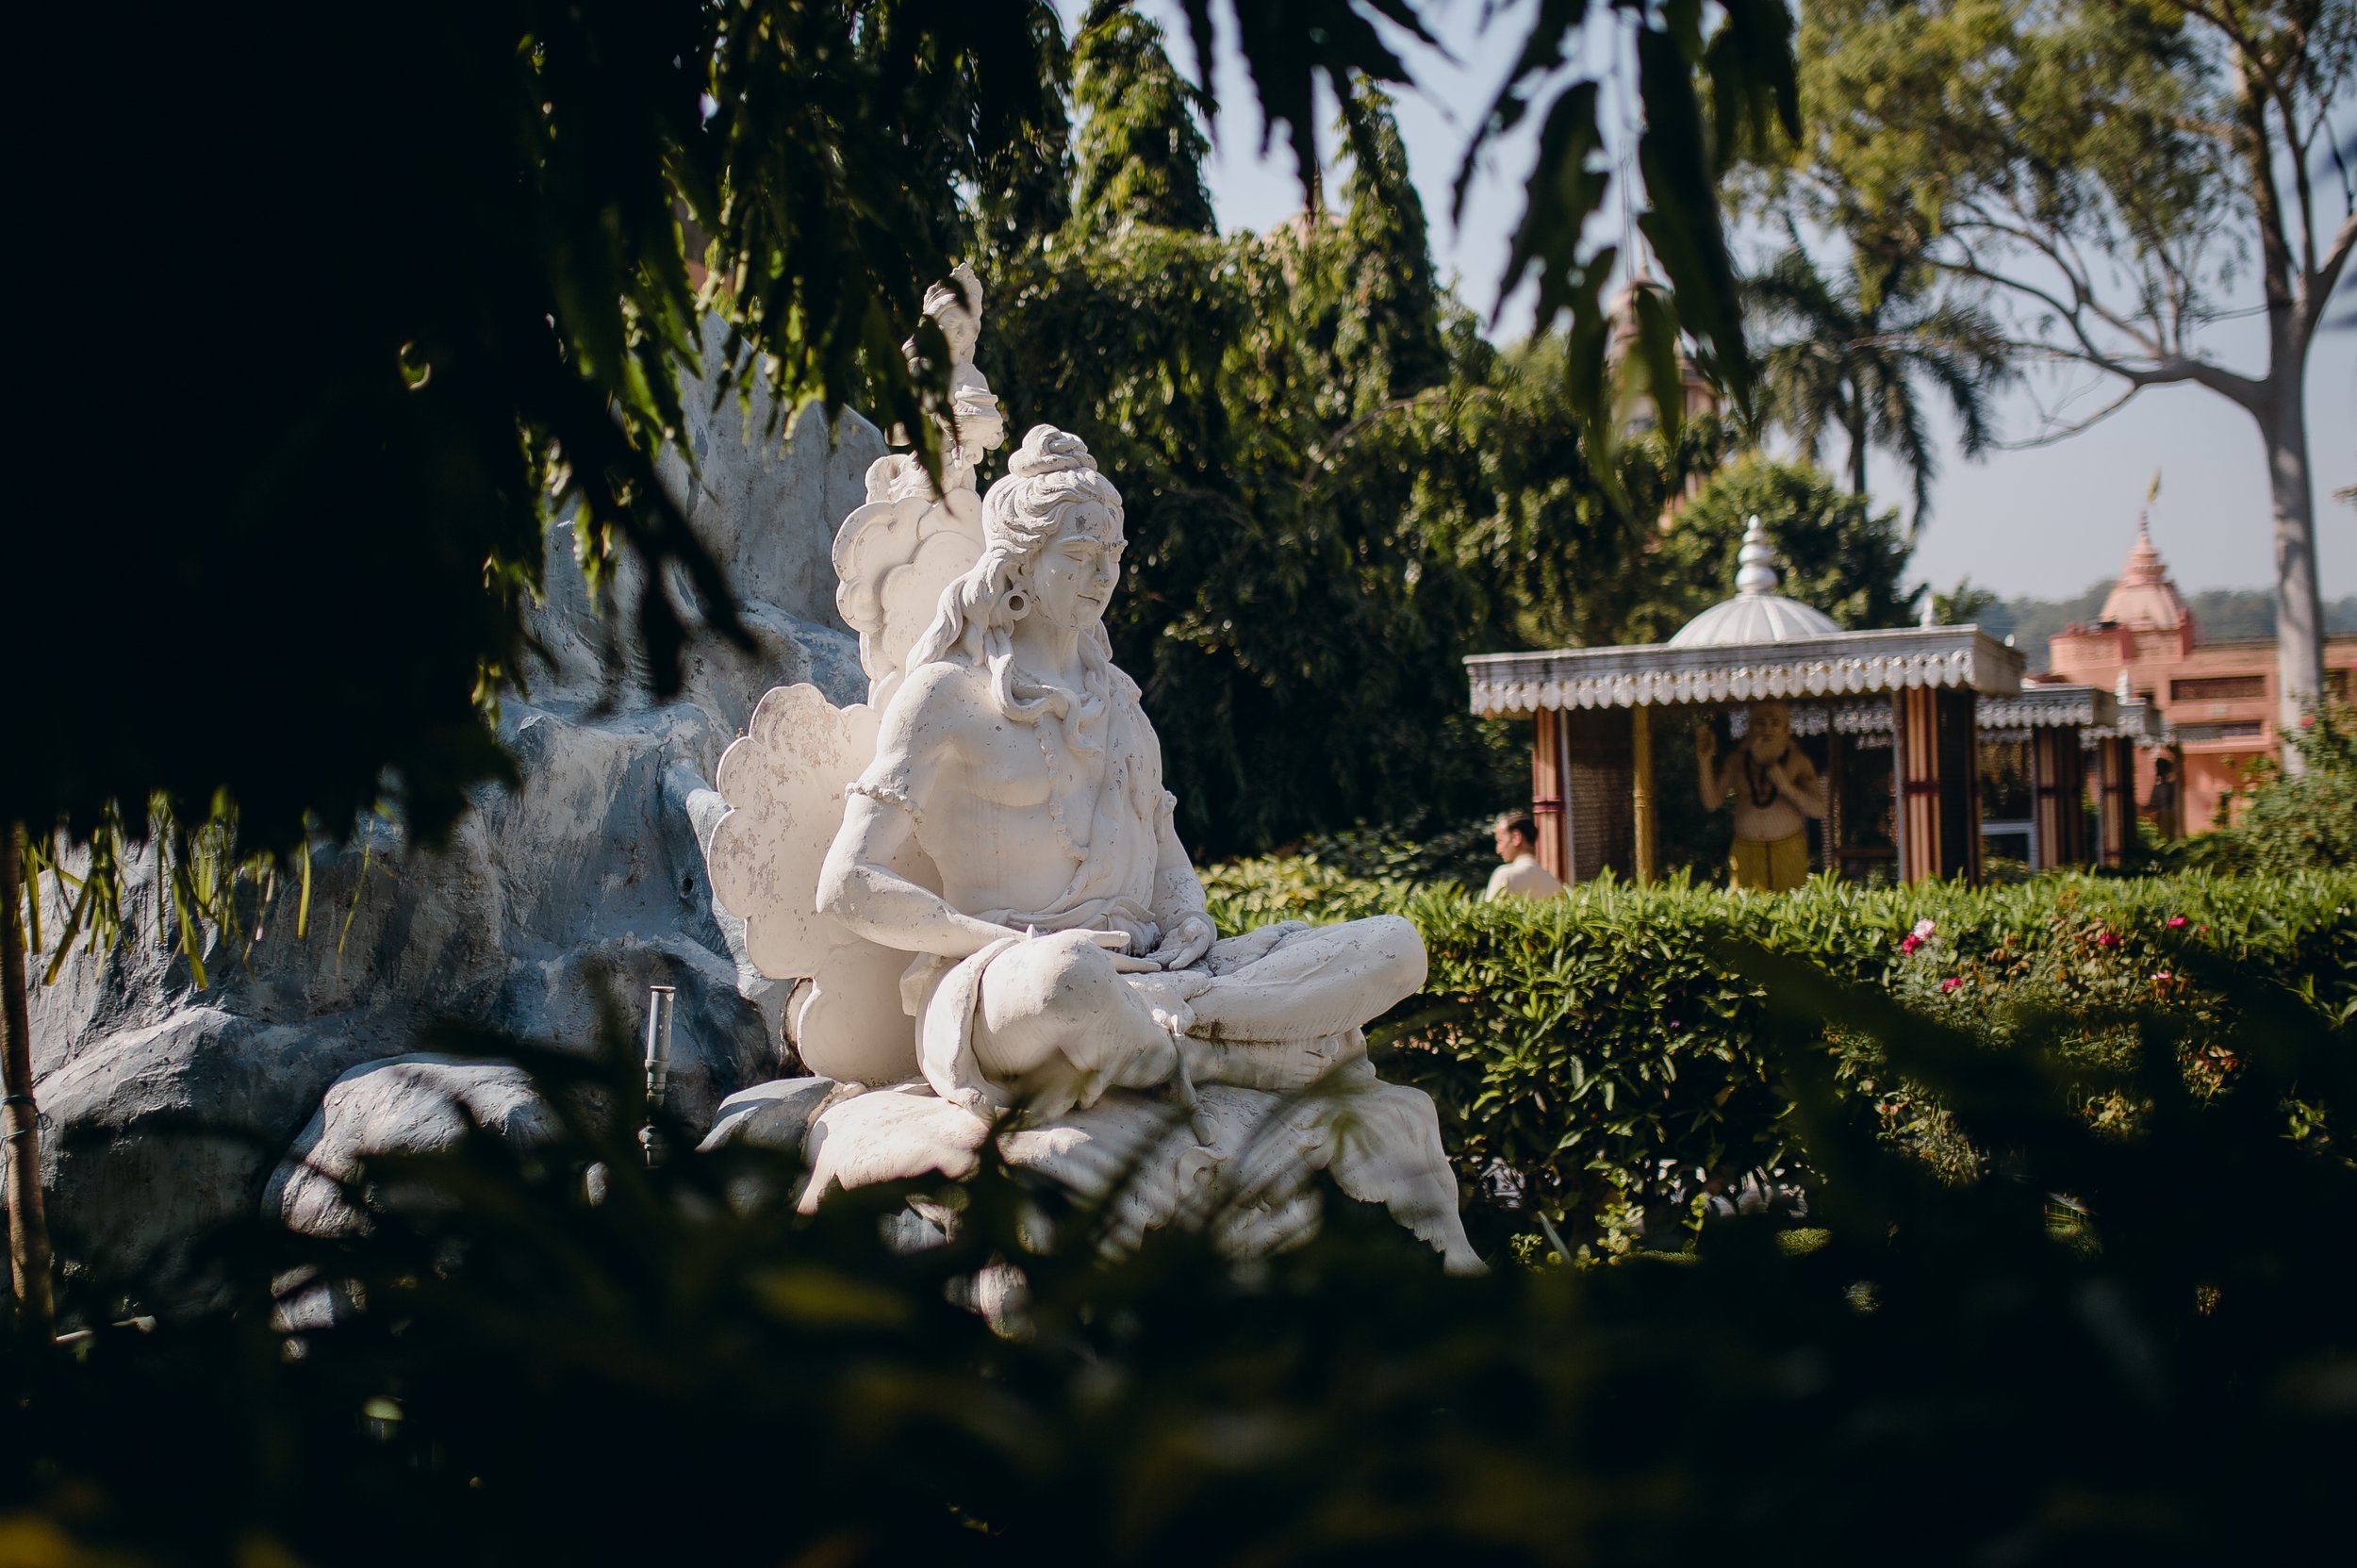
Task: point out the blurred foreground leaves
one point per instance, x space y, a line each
2124 1338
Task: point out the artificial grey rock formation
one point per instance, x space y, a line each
415 1104
167 1106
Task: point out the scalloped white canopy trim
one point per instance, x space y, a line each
1844 664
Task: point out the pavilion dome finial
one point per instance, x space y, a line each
1756 613
1755 563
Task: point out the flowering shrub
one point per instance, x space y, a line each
1600 1045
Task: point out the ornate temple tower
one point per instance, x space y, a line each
2219 696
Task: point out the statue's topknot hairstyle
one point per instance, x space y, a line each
1047 477
1051 480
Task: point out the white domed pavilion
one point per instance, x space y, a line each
1911 690
1756 613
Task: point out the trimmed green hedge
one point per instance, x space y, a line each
1595 1045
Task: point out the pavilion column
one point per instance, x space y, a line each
2116 772
1546 792
1829 831
1937 776
2070 773
2049 834
1641 792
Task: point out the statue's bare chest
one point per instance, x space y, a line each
1025 767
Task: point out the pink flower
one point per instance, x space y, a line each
2176 922
1950 983
2107 939
1924 929
1907 945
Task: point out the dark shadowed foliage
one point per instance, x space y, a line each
2111 1337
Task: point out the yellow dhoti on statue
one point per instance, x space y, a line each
1771 864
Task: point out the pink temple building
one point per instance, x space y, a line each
2219 696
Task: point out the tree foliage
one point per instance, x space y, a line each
1295 627
2121 1334
442 268
2119 173
1834 552
1336 487
2283 822
1851 354
1138 157
441 265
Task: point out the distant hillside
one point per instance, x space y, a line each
2221 612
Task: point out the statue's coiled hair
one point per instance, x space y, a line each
1047 478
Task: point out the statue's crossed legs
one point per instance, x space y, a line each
1276 1009
1271 1009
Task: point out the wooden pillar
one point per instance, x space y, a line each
1641 793
2049 836
1939 775
2070 765
2116 777
1914 741
1960 776
1829 831
1546 791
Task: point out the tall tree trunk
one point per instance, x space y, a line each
1857 445
2299 605
28 1224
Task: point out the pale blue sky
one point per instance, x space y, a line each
2045 521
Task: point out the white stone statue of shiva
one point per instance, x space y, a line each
1010 840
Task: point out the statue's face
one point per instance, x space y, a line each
962 330
1074 575
1771 727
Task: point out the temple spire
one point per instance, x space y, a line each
2144 599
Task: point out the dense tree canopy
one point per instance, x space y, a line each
407 280
1834 552
1296 632
408 277
1336 487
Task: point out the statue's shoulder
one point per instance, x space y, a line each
936 698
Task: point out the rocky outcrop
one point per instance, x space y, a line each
403 1105
165 1106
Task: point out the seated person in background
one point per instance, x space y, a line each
1517 840
1775 791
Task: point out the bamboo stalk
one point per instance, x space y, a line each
29 1222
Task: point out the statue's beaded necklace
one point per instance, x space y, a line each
1758 780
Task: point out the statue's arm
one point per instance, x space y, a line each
857 884
1178 891
1179 903
1710 775
1801 786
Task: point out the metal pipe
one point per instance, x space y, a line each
659 1003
